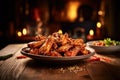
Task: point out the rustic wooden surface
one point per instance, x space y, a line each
107 68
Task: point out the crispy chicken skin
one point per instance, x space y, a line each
61 39
64 48
64 39
35 44
34 51
73 52
40 37
55 53
45 48
84 51
57 44
78 42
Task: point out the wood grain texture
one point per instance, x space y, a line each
12 67
29 69
99 71
41 71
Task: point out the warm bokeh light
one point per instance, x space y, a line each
91 32
72 10
98 25
100 13
60 31
36 14
24 31
19 33
38 19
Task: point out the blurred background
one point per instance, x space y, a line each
22 20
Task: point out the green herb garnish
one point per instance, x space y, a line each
109 42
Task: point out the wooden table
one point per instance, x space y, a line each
97 67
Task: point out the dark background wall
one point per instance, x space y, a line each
8 14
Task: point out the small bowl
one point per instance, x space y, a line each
103 49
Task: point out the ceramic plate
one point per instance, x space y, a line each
25 50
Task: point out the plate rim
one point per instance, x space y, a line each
53 58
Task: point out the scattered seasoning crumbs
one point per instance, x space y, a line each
74 69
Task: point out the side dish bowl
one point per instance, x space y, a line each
103 49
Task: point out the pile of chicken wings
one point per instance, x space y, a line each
57 44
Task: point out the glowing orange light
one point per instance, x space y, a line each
24 31
38 19
98 25
72 10
19 33
91 35
101 13
91 32
60 31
